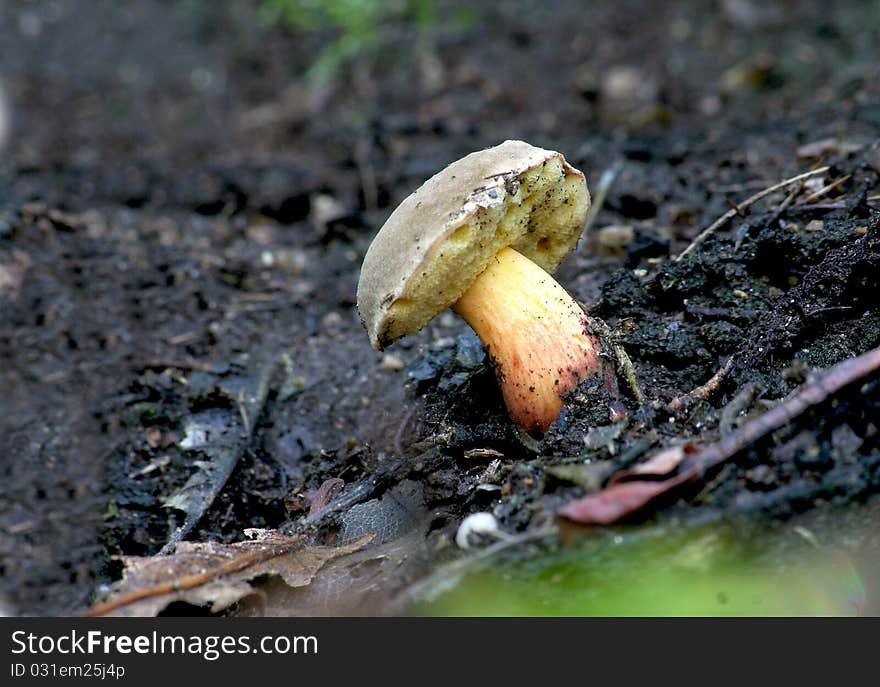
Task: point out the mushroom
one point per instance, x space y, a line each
481 237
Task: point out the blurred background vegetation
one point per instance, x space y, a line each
360 28
195 78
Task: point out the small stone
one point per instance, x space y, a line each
710 105
814 184
761 477
622 83
324 209
817 149
615 237
291 260
477 528
442 343
392 363
753 73
447 320
815 225
331 321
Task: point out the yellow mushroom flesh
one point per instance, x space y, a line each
537 337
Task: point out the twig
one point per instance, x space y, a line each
602 188
742 400
783 206
366 172
199 492
809 395
185 365
629 372
624 499
703 392
825 189
624 363
402 427
737 208
748 202
837 205
789 199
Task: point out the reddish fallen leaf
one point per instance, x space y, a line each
619 501
661 464
623 499
319 498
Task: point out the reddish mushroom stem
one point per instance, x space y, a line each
538 338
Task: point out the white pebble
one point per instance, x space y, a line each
392 363
480 524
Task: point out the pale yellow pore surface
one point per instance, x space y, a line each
536 220
442 237
535 334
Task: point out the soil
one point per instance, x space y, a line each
183 218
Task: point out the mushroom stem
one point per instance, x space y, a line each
538 338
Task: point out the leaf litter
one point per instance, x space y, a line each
630 494
217 575
221 435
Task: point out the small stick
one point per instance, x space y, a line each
617 501
602 188
624 363
822 191
783 206
837 205
811 394
748 202
703 392
367 174
185 365
789 199
398 434
629 372
734 206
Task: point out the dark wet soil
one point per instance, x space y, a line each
182 221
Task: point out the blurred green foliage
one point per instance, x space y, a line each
355 24
705 572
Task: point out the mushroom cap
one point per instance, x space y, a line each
441 237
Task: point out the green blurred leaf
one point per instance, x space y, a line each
707 573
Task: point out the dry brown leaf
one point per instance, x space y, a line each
202 573
321 497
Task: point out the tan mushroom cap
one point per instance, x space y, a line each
440 238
